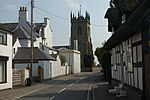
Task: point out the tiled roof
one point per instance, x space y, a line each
2 27
59 47
10 26
38 26
21 33
24 54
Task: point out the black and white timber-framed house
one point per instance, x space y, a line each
129 22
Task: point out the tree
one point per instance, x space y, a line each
63 60
104 58
88 60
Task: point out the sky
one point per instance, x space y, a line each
58 11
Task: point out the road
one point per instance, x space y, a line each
76 87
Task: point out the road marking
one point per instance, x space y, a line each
83 77
62 90
76 81
89 89
17 97
52 98
103 83
24 94
70 84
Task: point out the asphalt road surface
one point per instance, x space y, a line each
76 87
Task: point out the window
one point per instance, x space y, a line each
14 50
134 55
139 53
113 59
2 71
79 31
3 38
129 58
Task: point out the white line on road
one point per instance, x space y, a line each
62 90
19 96
52 98
24 94
70 84
83 77
76 81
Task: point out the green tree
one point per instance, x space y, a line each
88 60
63 60
104 58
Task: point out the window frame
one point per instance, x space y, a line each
4 80
3 38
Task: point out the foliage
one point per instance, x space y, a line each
104 57
63 60
94 64
88 60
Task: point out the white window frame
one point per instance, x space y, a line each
3 38
3 71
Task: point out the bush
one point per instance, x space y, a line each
63 60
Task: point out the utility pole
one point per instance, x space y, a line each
31 60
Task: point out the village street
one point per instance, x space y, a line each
71 87
76 87
81 86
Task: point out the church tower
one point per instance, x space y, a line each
81 38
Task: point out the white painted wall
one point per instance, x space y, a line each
73 57
50 68
25 43
6 50
132 76
48 32
57 69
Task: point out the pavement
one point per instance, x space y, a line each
100 91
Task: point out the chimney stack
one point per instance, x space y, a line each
23 14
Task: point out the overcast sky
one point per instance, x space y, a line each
59 13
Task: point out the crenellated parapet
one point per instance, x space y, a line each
80 17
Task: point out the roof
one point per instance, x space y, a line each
10 26
50 48
21 33
17 29
54 55
59 47
24 54
2 27
107 13
38 26
130 27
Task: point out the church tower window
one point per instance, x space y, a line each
79 30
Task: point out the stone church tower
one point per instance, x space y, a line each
81 38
